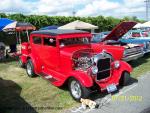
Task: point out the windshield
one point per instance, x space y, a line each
99 37
145 34
74 41
135 35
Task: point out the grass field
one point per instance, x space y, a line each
19 93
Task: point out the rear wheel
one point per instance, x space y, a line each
78 91
30 68
125 78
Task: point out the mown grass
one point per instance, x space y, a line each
140 66
33 92
17 90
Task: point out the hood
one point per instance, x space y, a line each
119 31
69 51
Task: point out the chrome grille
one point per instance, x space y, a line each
103 68
133 51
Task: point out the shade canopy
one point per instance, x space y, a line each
147 24
4 22
49 27
139 25
78 25
19 26
12 25
24 26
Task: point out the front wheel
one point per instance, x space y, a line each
77 90
30 68
125 78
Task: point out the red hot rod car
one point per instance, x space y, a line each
66 56
111 43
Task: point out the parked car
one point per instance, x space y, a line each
137 37
119 50
66 56
97 37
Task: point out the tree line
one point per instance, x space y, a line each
104 23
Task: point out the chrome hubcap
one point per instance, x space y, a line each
75 89
29 69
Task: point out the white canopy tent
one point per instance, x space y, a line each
147 24
139 25
79 25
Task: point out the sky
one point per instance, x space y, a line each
83 8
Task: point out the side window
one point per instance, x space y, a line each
50 41
37 40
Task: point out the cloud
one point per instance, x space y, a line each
97 7
59 7
132 8
117 8
15 6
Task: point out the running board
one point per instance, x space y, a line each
48 77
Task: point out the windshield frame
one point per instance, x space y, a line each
73 44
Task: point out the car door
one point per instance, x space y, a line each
36 46
50 52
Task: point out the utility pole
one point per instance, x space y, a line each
147 9
74 13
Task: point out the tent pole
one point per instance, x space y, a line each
19 42
27 34
17 38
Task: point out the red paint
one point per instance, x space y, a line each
116 50
56 64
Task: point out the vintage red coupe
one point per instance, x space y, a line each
66 56
110 42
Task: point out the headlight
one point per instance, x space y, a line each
94 70
116 64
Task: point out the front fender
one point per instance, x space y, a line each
117 73
124 66
85 79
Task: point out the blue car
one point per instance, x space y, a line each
97 37
137 37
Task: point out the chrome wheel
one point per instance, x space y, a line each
75 89
29 69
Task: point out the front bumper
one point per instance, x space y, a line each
133 57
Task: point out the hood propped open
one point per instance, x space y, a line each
120 30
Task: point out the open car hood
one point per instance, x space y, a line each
119 31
